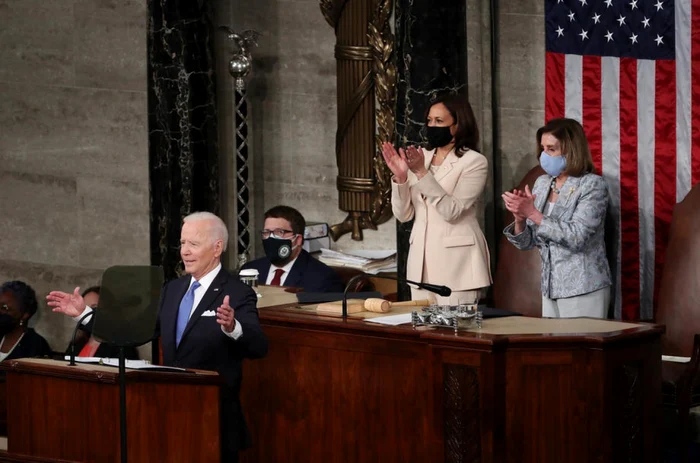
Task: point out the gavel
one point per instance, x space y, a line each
374 304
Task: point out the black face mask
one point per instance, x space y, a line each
7 323
438 136
277 250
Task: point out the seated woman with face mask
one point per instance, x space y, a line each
564 217
285 262
87 345
17 306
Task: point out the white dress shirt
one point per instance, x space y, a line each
286 268
199 293
205 282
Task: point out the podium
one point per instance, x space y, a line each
518 390
72 413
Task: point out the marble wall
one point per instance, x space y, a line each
73 126
292 99
520 87
73 145
292 95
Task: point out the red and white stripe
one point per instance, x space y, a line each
644 134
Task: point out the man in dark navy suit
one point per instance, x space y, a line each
207 320
285 262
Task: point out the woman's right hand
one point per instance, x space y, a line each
508 198
396 162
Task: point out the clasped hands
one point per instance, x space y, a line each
73 305
521 203
412 158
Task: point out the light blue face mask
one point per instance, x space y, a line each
553 165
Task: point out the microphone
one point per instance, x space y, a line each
440 290
75 332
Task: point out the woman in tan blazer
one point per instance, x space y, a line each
439 188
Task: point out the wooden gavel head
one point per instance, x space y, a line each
374 304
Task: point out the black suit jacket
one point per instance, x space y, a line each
205 346
308 273
32 344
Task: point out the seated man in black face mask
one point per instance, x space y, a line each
286 263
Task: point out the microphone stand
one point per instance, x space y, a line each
122 387
122 404
438 289
75 332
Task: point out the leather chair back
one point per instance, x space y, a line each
678 305
516 285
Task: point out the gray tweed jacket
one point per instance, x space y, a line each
571 240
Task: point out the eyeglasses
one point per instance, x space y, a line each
276 233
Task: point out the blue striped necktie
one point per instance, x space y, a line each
183 314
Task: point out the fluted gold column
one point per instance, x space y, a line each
366 102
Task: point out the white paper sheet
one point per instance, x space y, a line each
392 320
671 358
131 364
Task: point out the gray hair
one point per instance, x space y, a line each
218 230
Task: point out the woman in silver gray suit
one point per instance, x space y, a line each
564 217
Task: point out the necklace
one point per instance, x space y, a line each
553 186
440 158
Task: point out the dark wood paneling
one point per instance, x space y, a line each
160 415
354 397
9 458
50 413
76 417
351 391
462 429
540 402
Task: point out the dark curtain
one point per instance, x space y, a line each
183 148
431 41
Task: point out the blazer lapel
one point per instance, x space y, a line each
542 195
212 294
566 192
446 165
263 271
428 157
295 273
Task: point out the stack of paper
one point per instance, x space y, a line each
368 261
132 364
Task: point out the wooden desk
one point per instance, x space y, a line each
56 411
550 391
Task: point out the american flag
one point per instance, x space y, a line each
629 70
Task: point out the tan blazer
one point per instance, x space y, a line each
446 236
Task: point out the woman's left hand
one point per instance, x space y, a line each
415 158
